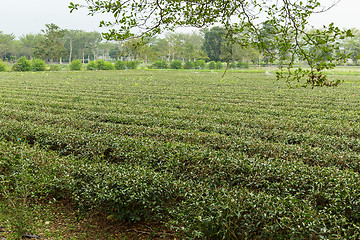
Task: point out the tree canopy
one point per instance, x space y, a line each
286 36
51 45
213 43
5 40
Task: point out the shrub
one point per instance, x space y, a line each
100 64
211 65
219 65
199 64
120 65
109 66
55 68
91 66
176 65
76 65
130 193
22 65
232 65
161 64
103 65
2 66
38 65
132 64
189 65
242 65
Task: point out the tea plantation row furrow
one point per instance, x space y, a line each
271 111
216 158
309 119
98 140
226 131
266 198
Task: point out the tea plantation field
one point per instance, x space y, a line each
234 157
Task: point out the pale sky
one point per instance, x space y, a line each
30 16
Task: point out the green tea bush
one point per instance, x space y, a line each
38 65
250 165
199 64
189 65
22 65
132 64
161 64
176 65
76 65
19 184
131 193
120 65
3 66
212 65
279 189
91 66
236 214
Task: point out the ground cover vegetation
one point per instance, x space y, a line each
234 157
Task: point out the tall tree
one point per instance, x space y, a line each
196 41
6 40
81 45
91 42
51 47
214 42
352 46
242 20
105 49
29 43
73 42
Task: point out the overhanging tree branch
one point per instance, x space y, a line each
285 39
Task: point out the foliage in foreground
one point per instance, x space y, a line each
213 157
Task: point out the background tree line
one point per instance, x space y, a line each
64 45
53 44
